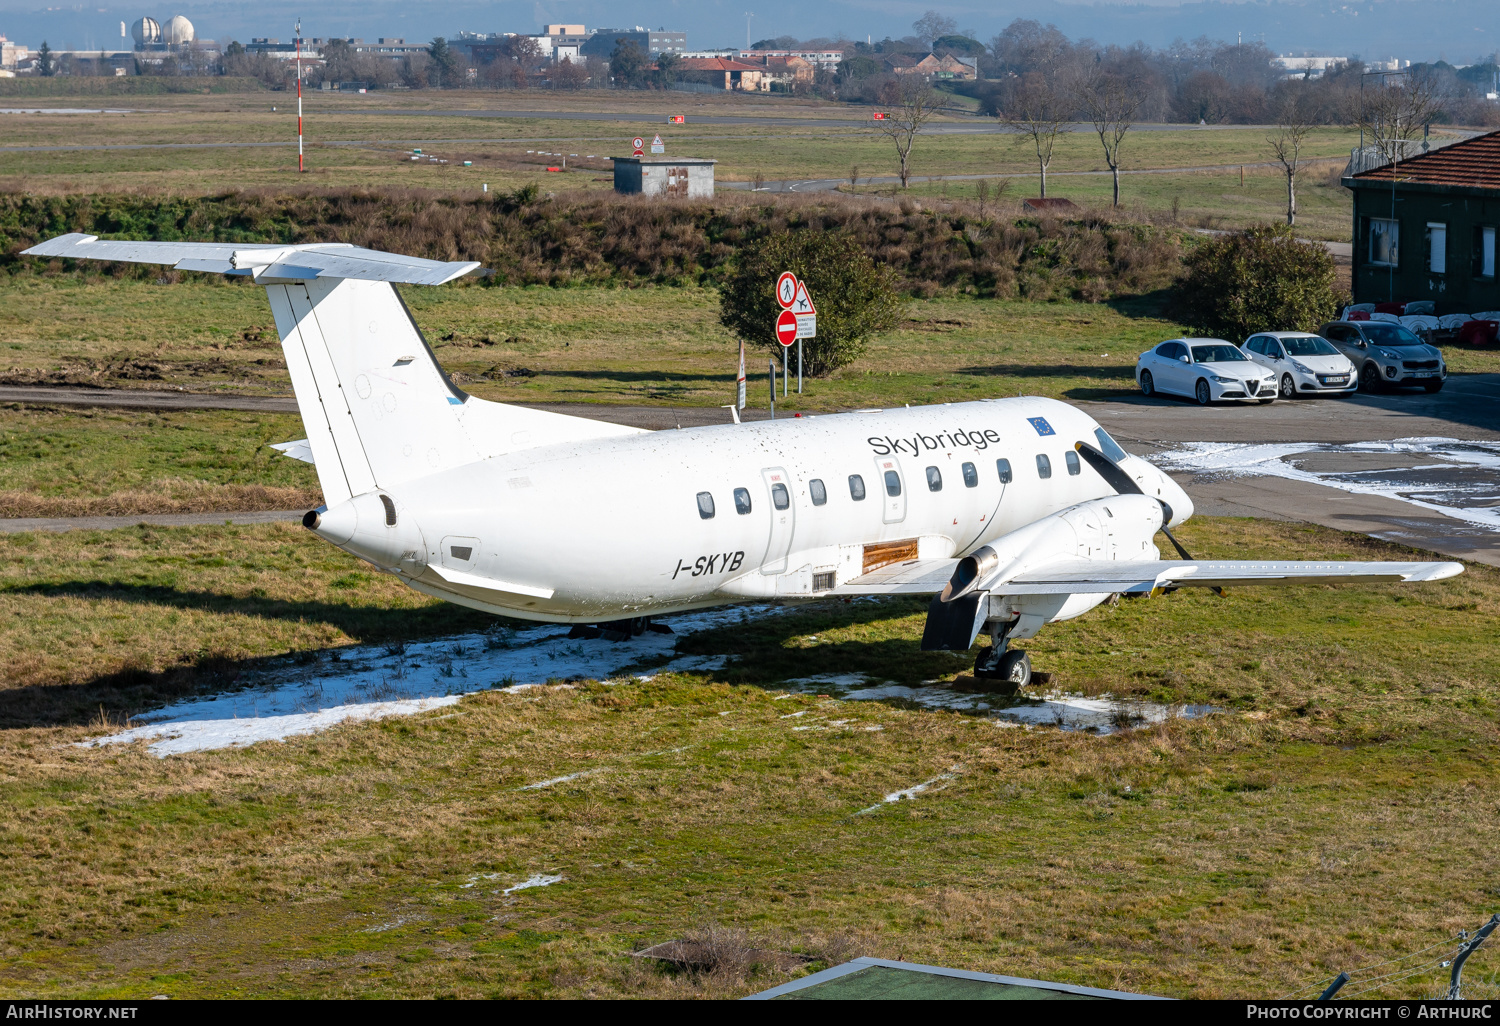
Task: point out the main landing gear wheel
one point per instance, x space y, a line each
1201 393
1012 669
1148 386
1369 378
1288 387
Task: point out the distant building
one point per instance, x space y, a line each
601 43
1307 67
736 76
932 66
671 177
151 35
12 54
1425 228
826 60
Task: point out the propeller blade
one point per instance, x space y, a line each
1114 475
1184 554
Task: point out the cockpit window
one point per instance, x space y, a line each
1109 446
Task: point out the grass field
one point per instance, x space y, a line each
363 141
97 462
661 346
1338 811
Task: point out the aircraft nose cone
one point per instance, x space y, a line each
1173 495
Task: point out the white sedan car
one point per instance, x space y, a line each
1206 369
1305 364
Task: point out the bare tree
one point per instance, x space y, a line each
933 25
1392 115
915 105
1040 111
1110 101
1293 122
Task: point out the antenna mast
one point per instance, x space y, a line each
300 168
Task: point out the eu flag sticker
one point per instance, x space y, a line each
1041 425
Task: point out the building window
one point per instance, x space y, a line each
1437 248
1385 241
1484 252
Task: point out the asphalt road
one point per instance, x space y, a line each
1468 409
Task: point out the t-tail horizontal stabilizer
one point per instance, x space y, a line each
261 260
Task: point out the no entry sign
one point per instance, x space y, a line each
786 328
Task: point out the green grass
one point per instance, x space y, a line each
1332 816
387 125
659 346
71 462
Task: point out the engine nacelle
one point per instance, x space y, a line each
375 528
1117 528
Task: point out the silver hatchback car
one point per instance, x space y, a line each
1385 354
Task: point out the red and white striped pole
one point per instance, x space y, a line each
300 168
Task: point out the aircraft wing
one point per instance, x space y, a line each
913 577
260 260
1101 577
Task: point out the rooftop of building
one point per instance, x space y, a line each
1473 163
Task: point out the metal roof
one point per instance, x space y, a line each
1473 163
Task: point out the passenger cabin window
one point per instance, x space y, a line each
742 501
779 497
1043 466
705 505
892 483
1071 459
1003 468
856 487
971 476
817 491
934 479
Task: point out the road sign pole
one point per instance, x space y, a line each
786 368
799 366
773 389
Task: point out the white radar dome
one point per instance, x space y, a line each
146 30
177 31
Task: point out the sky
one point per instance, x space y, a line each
1460 31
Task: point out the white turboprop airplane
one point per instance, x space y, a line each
1012 513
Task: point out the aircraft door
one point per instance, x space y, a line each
779 497
892 485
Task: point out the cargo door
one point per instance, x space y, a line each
892 485
779 498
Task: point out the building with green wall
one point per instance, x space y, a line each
1425 228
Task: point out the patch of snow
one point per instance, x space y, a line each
686 664
368 682
838 680
937 783
793 716
559 780
539 880
1463 483
1102 715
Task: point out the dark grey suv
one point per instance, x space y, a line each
1386 354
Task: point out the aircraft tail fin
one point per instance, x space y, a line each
378 408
